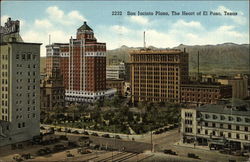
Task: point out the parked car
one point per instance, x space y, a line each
58 148
63 137
117 137
26 156
106 136
72 144
83 151
75 132
169 152
94 134
47 150
59 129
41 152
191 155
85 133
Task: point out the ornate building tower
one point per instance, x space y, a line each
87 67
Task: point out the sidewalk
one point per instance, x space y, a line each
191 146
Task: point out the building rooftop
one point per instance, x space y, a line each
84 27
204 84
237 108
150 51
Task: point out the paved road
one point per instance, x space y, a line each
130 146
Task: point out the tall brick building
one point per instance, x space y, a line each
83 65
156 75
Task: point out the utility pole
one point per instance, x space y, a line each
151 139
144 40
49 39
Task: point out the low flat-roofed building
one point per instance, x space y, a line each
52 91
117 84
219 126
200 93
239 85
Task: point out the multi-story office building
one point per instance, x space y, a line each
83 64
115 71
52 91
203 93
19 86
156 75
220 126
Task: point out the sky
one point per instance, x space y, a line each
60 19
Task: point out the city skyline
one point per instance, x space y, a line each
60 19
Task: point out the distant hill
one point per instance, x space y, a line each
217 59
222 58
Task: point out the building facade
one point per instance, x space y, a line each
52 91
199 94
83 65
239 85
19 88
117 84
156 75
219 126
115 71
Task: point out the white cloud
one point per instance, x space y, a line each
57 15
4 19
43 23
184 25
239 18
120 29
179 32
75 15
60 25
139 20
55 12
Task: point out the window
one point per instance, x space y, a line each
206 124
222 117
246 137
247 120
246 128
23 56
229 126
229 135
199 131
237 136
238 119
230 118
206 132
221 134
213 124
28 56
19 125
237 127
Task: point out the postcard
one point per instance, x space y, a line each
124 81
